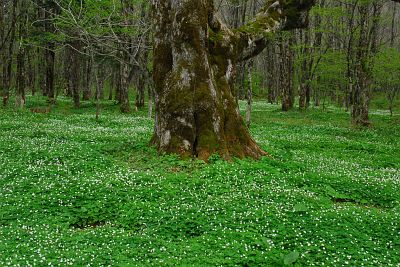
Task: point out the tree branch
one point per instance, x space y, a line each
250 40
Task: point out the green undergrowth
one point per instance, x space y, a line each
80 192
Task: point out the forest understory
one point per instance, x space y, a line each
84 192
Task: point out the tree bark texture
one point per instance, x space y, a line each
8 56
86 78
365 50
21 68
49 54
74 75
286 73
195 58
124 89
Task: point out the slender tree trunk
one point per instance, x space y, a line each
8 56
150 104
118 79
124 93
367 47
287 74
112 84
20 79
68 71
87 73
31 71
240 81
2 45
75 72
99 86
49 54
101 76
304 92
249 94
140 90
317 94
270 72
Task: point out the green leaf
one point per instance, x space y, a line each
291 258
300 207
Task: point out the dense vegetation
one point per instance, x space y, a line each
199 133
349 52
79 191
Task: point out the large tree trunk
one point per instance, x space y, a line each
194 69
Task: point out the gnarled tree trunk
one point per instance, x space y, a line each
194 69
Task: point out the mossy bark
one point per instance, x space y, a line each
194 70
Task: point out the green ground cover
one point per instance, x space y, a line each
80 192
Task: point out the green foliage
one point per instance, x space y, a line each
81 192
387 68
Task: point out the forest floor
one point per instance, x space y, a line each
81 192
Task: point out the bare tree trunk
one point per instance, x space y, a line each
75 72
317 94
124 93
286 74
118 78
49 54
99 86
367 46
240 81
2 45
67 71
270 72
87 73
31 71
20 79
150 104
112 84
249 93
305 88
140 90
101 76
8 56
